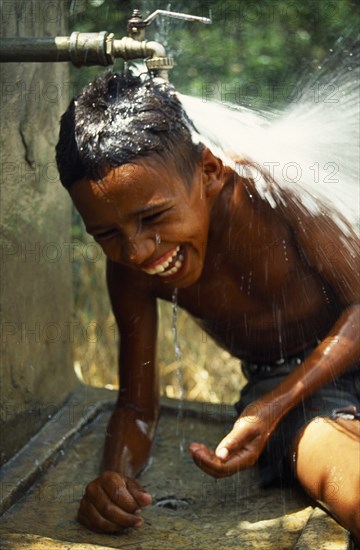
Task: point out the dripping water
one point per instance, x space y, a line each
177 351
178 357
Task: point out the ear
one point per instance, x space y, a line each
212 173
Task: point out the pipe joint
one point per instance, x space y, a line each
91 48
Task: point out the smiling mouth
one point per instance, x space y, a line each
170 263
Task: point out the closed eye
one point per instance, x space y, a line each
153 217
105 234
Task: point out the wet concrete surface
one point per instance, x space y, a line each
189 510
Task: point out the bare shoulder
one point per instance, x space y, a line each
311 219
320 228
326 240
289 229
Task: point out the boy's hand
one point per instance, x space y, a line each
112 503
240 449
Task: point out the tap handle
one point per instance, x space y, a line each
176 15
136 24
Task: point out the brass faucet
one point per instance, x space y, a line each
101 48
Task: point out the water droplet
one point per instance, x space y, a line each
285 251
242 283
325 294
249 283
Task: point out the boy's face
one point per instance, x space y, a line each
146 217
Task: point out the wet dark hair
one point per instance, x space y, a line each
119 118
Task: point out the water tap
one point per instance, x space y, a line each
101 48
136 26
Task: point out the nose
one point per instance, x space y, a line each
139 250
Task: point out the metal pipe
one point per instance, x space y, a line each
101 48
79 48
34 49
85 49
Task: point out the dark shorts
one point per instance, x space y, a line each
341 398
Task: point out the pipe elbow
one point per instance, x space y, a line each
155 49
153 52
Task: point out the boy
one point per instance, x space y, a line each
256 274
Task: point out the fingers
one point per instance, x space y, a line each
222 452
229 444
235 454
141 497
206 459
243 438
112 503
99 521
124 492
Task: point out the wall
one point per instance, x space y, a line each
36 371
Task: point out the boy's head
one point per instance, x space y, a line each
119 118
143 188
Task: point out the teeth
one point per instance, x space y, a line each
150 271
172 270
159 269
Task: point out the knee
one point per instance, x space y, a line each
354 519
343 505
337 489
328 467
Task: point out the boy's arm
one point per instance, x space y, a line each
114 500
335 256
135 312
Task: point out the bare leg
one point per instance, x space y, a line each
327 464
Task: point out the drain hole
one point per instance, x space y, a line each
172 503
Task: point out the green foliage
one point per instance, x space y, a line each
252 54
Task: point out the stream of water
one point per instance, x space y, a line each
311 146
179 372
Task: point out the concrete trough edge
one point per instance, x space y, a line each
81 408
33 460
